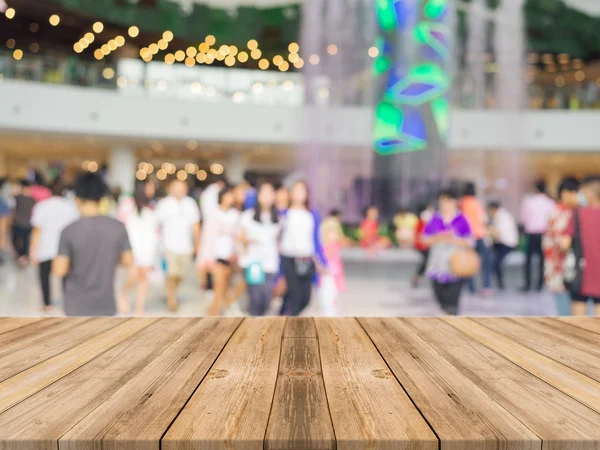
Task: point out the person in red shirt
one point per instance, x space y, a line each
589 228
369 229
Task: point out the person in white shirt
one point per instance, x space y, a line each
179 218
505 233
224 229
49 218
260 259
535 214
209 199
140 219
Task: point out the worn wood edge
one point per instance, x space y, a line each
299 327
591 324
8 324
524 361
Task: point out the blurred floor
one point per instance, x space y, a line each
380 288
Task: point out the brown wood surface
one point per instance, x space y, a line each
300 417
299 384
369 409
233 402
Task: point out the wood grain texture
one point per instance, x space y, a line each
12 323
25 334
300 415
553 339
230 409
562 422
462 415
301 327
50 413
22 354
369 409
36 378
562 377
137 415
587 323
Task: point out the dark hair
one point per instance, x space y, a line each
257 211
540 186
305 184
226 190
568 184
470 189
494 204
591 179
334 212
448 193
140 198
90 186
24 183
367 208
57 188
38 178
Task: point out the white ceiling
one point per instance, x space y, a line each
187 5
591 7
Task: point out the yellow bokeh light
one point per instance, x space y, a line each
89 37
233 50
10 13
216 168
84 43
153 48
201 58
120 40
98 54
256 54
224 50
92 166
161 174
210 58
182 175
332 49
299 63
220 56
284 66
230 60
189 61
112 44
191 52
98 27
144 52
54 20
252 44
149 168
201 175
108 73
168 36
141 175
204 47
170 58
191 168
293 57
293 47
373 52
277 60
105 50
18 54
162 44
242 57
78 47
133 31
263 64
210 39
179 55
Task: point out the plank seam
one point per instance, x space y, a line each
574 325
324 384
276 383
160 440
22 326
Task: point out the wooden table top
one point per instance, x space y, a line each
312 384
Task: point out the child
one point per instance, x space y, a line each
369 237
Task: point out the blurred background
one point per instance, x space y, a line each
372 103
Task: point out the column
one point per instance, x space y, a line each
412 114
235 167
122 168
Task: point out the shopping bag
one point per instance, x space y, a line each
328 297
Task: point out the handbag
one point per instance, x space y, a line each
574 263
305 267
465 263
255 274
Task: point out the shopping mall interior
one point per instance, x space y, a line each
369 104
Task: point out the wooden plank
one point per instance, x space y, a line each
137 415
369 409
23 354
580 355
231 407
300 415
39 421
562 422
587 323
299 327
23 335
462 415
12 323
569 381
36 378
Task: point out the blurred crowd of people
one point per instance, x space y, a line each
264 242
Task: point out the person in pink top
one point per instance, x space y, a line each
475 213
535 215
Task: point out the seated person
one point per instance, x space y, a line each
406 223
369 232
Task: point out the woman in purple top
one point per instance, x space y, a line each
447 230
